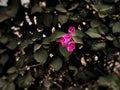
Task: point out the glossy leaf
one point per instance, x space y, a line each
56 35
11 70
41 56
64 52
57 63
60 8
78 40
10 86
116 27
63 18
98 46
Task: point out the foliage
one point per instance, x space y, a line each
31 59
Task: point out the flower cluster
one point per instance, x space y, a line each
66 39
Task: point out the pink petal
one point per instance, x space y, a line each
71 29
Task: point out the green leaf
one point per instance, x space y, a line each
41 56
48 18
46 40
12 77
36 47
73 68
47 83
73 6
2 51
9 11
102 29
35 9
64 52
93 33
60 8
116 27
4 58
116 42
56 35
11 70
25 43
20 62
10 86
95 23
98 46
57 63
110 38
105 7
78 40
38 73
63 18
110 1
78 33
104 81
2 83
12 44
25 81
3 39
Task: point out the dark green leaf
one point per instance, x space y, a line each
35 9
10 11
2 83
25 81
25 43
46 40
38 73
41 56
73 68
57 63
12 77
12 44
2 51
3 39
78 33
60 8
10 86
78 40
56 35
110 1
47 19
102 29
73 6
63 18
110 38
98 46
20 62
37 47
47 83
116 42
64 52
95 23
4 58
104 81
105 7
11 70
93 33
116 27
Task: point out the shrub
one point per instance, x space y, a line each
60 44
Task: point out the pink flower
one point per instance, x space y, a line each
71 29
71 46
62 41
67 37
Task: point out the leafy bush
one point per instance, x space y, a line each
60 45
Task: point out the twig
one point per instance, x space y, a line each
57 85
